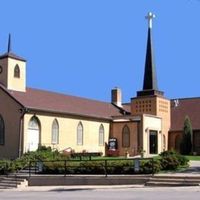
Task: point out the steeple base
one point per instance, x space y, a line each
150 93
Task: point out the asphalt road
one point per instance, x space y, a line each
180 193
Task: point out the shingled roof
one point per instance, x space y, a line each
66 104
12 55
182 108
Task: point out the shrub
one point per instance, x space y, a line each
5 167
183 160
50 167
89 167
44 148
120 167
43 153
171 160
150 166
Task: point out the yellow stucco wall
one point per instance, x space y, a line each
144 104
16 83
151 123
68 133
154 105
164 111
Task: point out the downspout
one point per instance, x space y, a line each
23 111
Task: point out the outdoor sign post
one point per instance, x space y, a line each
136 165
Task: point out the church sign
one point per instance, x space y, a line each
112 144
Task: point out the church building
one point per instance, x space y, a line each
30 118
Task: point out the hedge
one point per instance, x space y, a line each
55 163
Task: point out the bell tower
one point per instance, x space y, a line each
12 70
150 100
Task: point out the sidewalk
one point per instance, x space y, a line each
194 167
71 188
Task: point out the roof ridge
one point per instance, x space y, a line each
185 98
67 95
127 103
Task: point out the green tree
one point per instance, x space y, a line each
186 143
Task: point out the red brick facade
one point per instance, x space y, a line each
117 130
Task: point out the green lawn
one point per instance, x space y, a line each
108 158
99 158
123 157
156 157
193 157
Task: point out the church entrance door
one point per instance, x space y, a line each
33 135
33 140
153 142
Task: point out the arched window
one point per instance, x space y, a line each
101 135
2 131
33 123
126 136
80 134
17 71
55 132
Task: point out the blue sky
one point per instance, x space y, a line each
87 47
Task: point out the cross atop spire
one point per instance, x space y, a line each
150 17
9 43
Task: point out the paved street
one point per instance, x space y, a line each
99 193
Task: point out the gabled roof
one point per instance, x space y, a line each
185 107
127 107
66 104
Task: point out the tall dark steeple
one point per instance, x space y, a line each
9 53
150 86
9 43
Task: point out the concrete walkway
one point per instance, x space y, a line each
193 170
